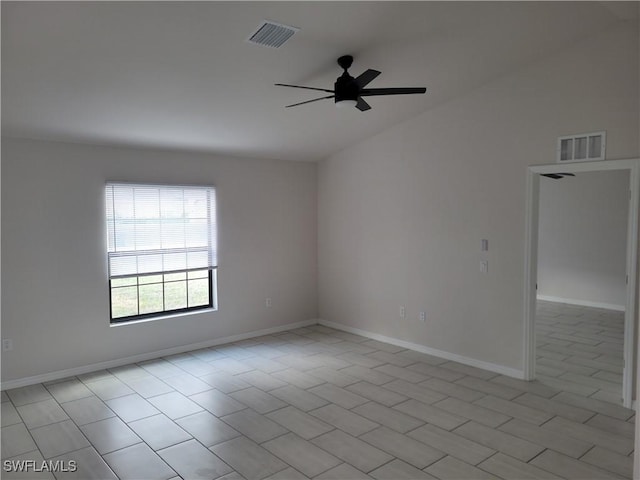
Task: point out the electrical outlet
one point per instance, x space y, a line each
7 345
403 312
423 317
267 302
484 266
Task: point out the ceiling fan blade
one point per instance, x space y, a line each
367 77
309 101
362 105
306 88
391 91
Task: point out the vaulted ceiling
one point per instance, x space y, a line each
181 75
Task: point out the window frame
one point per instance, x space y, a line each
211 270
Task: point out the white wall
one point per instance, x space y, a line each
55 292
582 238
401 214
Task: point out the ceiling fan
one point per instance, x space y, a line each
348 91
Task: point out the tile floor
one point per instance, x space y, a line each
313 403
580 350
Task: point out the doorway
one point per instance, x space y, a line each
631 167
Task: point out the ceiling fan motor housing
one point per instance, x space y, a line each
346 88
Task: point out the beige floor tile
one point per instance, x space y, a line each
504 466
360 359
338 396
342 472
403 447
132 407
109 388
16 441
148 386
568 467
610 461
333 376
193 461
298 398
388 417
612 425
434 371
299 379
452 444
299 422
41 413
450 468
572 447
430 414
498 440
109 435
15 470
489 388
399 470
301 454
58 438
287 474
248 458
175 405
87 410
159 432
392 358
565 410
9 414
254 425
344 419
262 380
379 394
90 466
69 390
187 384
260 401
590 434
29 394
401 373
137 462
481 415
207 429
452 390
161 368
468 370
515 410
359 454
368 374
129 372
534 387
415 391
606 408
225 382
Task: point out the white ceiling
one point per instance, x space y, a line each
181 75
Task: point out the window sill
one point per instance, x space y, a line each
163 317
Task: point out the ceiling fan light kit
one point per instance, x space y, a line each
348 91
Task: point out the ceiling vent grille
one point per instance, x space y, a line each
271 34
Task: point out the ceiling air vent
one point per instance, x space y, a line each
271 34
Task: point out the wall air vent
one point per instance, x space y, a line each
271 34
584 147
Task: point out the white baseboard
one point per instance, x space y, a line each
582 303
492 367
48 377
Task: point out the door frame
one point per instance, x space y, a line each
531 260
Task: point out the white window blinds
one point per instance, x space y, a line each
156 228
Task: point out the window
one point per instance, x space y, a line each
161 249
581 148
